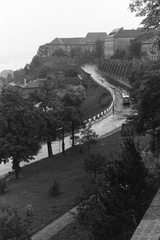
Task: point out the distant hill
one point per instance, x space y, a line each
4 73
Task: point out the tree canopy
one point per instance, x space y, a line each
149 10
19 129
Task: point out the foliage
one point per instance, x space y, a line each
122 197
18 75
149 103
43 71
94 162
88 136
149 10
49 105
135 48
99 48
70 73
19 123
43 51
2 185
12 226
35 63
71 114
59 52
55 189
76 52
119 54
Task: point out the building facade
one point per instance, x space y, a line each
150 49
85 43
119 39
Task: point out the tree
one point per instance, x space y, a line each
148 108
119 54
148 9
94 162
12 226
43 51
49 105
121 199
71 100
35 63
75 52
59 52
88 136
135 47
19 122
71 72
99 48
43 71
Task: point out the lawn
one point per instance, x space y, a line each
97 100
37 178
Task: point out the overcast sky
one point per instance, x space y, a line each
27 24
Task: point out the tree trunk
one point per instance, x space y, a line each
16 168
63 144
72 133
49 146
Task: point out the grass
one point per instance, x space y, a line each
97 100
37 178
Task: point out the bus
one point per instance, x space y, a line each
126 98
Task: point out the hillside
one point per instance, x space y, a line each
98 99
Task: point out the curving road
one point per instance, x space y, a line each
109 124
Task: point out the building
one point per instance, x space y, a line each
150 49
26 88
85 43
120 39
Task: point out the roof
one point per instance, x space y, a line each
92 37
128 33
68 41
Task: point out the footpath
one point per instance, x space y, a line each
56 226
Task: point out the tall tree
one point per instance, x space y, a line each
49 105
72 99
19 123
149 10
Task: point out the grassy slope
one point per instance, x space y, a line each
37 178
98 99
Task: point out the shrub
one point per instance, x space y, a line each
12 226
2 185
55 189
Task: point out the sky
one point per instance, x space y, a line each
27 24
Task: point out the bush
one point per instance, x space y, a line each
12 226
2 185
55 189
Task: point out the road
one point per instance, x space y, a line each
106 126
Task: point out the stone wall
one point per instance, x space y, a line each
115 68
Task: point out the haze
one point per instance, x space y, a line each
27 24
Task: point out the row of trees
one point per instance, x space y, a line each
23 126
